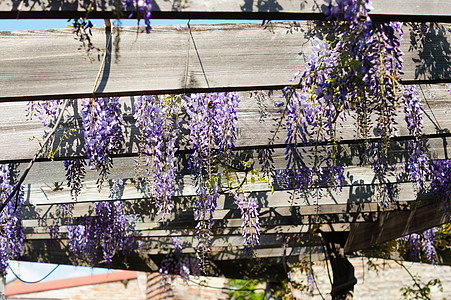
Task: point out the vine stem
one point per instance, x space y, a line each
415 282
46 140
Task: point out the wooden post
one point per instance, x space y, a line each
343 271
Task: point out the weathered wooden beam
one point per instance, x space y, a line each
391 225
252 133
46 195
179 59
406 10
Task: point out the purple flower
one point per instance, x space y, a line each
12 237
249 213
102 133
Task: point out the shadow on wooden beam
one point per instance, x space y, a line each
391 225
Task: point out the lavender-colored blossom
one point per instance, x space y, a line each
54 232
144 9
45 110
249 213
427 244
110 230
75 173
418 164
441 181
156 117
212 126
421 243
102 133
175 263
358 71
12 234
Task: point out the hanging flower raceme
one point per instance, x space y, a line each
421 244
249 213
175 263
144 10
45 110
418 164
11 231
75 173
441 181
157 119
212 124
102 133
358 71
110 230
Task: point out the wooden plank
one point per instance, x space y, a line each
228 56
406 10
391 225
15 132
349 194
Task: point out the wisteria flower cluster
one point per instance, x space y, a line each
144 9
157 119
75 173
110 230
45 110
418 164
358 71
248 207
441 181
11 230
421 244
305 179
175 263
102 129
212 126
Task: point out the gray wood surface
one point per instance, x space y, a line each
228 56
16 131
391 225
413 10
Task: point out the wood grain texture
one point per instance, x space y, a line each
229 56
407 10
252 132
391 225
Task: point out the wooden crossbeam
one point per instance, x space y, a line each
178 59
252 133
406 10
394 224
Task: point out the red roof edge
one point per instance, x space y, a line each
27 288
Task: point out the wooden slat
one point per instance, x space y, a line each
232 56
407 10
349 194
395 224
15 132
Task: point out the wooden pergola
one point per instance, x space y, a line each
177 59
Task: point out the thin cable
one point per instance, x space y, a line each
198 56
24 281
